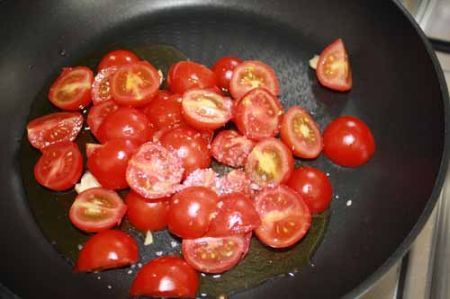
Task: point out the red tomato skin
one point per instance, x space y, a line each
126 123
117 58
53 128
167 276
191 212
107 250
83 98
97 115
309 147
339 49
164 111
146 215
231 148
109 162
101 87
348 142
314 187
186 75
65 181
223 68
190 147
236 214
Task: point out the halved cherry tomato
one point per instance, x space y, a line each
223 68
234 181
55 127
97 209
117 58
135 84
269 163
314 187
98 113
167 276
109 163
201 177
164 111
145 215
154 171
101 87
205 109
72 89
231 148
191 211
107 250
252 74
236 214
258 114
333 69
285 217
190 147
186 75
300 133
348 141
214 255
126 123
60 166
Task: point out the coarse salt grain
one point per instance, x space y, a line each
349 203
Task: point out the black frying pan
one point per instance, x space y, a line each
398 90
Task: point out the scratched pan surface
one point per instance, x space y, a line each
398 90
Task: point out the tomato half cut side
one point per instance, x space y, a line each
258 114
154 171
55 127
147 215
206 110
214 255
231 148
135 84
98 113
236 214
60 166
285 217
107 250
97 209
101 87
333 69
117 58
234 181
301 133
185 75
269 163
224 68
167 276
72 89
252 74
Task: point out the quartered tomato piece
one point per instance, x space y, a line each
135 84
186 75
285 217
231 148
72 89
154 171
333 69
190 147
191 211
223 68
147 215
214 255
126 123
164 111
167 276
98 113
236 214
107 250
109 163
253 74
60 166
55 127
300 133
97 209
101 87
117 58
205 109
269 163
258 114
